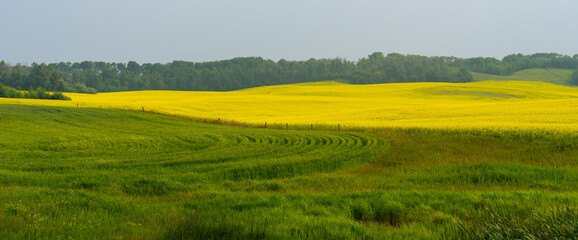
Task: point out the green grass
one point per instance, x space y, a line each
506 224
110 174
550 75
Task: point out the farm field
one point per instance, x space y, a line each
506 105
105 173
487 160
288 120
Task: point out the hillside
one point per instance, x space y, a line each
77 173
549 75
100 161
478 105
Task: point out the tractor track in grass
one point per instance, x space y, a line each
81 142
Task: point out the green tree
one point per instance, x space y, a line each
4 72
2 91
133 68
464 75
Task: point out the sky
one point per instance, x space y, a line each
151 31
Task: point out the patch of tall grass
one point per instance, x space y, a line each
558 223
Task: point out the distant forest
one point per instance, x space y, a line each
247 72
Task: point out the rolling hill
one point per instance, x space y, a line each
478 105
549 75
105 173
416 160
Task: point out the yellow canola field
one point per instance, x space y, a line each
481 105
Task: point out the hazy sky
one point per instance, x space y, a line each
163 31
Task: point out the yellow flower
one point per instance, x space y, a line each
507 105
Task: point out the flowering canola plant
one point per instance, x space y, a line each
500 105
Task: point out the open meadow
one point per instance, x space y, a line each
549 75
483 160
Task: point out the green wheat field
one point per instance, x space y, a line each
85 173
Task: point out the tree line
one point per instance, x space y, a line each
246 72
516 62
40 93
